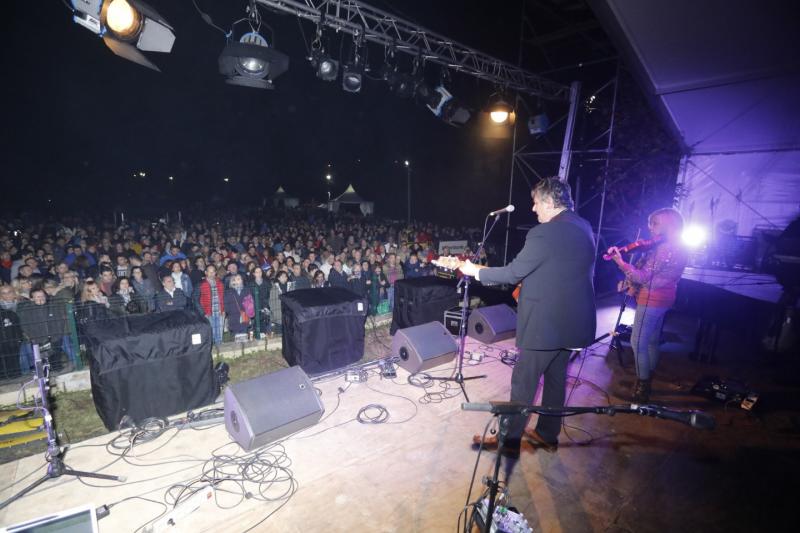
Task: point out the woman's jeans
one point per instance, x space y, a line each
646 338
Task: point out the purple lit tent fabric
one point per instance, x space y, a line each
726 74
350 196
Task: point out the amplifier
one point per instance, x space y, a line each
452 319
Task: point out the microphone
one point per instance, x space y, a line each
696 419
507 209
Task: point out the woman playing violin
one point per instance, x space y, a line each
654 281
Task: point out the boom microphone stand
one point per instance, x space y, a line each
462 330
54 455
505 410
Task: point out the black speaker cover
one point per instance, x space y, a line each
267 408
153 365
492 324
422 347
421 300
323 329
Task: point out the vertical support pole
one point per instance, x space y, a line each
566 150
609 148
511 181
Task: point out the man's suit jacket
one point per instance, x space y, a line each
556 303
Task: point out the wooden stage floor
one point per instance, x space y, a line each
411 474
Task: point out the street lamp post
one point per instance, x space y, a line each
408 190
328 179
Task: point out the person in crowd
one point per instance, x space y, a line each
106 282
124 300
170 298
144 288
260 286
174 254
357 282
12 359
69 288
301 281
182 280
413 269
45 325
149 266
556 310
123 266
654 283
378 286
337 277
197 273
239 304
211 296
319 281
279 286
393 272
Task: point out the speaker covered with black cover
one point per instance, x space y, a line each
267 408
323 329
492 324
152 365
421 300
423 347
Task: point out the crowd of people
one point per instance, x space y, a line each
232 269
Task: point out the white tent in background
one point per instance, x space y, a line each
351 197
281 199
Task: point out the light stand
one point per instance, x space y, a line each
54 455
462 330
505 410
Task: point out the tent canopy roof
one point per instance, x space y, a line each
724 71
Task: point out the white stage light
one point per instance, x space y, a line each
694 236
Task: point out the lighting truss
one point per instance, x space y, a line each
376 26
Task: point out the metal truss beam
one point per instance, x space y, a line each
376 26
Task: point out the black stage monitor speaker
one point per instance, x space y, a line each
492 324
269 407
423 347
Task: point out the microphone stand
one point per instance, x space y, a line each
462 330
505 410
54 455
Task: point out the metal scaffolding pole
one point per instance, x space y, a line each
609 146
566 150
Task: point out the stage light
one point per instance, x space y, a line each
251 62
442 104
327 69
538 124
694 236
126 27
351 78
499 111
121 18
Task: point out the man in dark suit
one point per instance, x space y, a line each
556 307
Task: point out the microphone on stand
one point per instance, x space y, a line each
696 419
507 209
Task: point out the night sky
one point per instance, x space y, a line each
79 121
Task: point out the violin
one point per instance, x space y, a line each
641 243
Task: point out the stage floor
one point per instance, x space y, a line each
412 473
